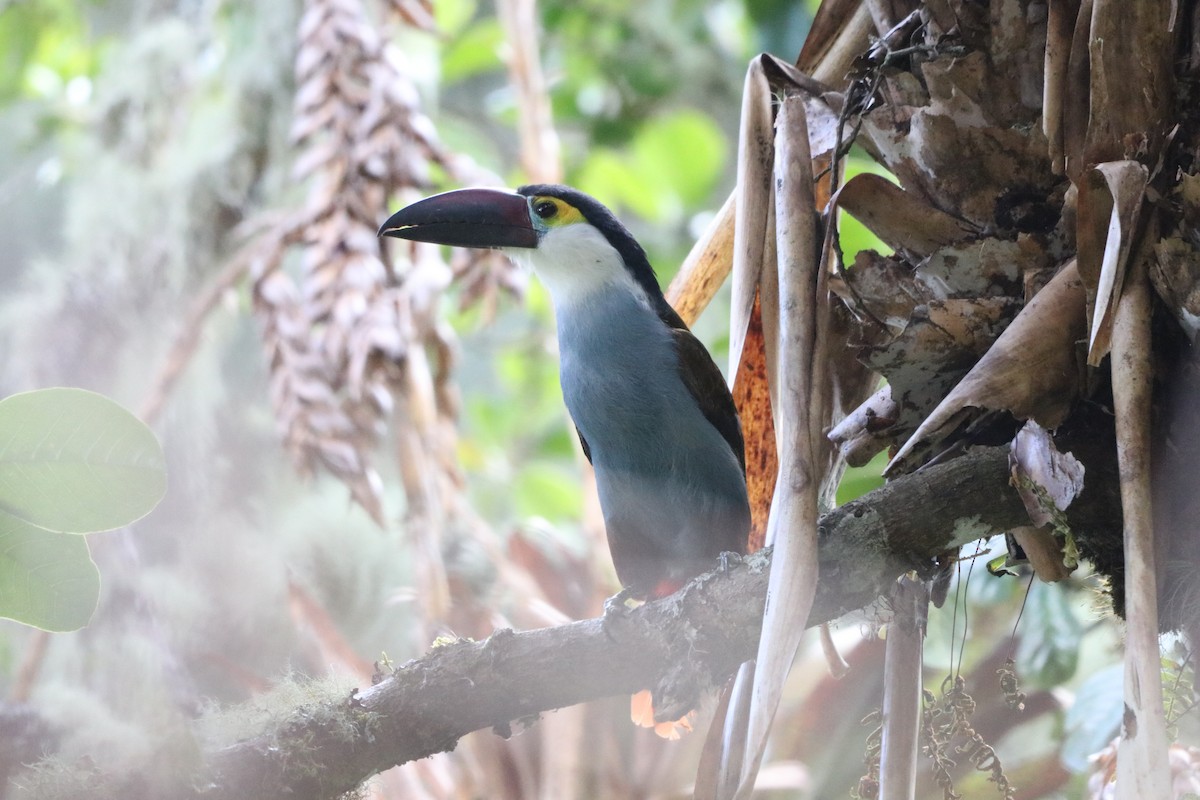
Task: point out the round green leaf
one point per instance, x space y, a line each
74 461
47 580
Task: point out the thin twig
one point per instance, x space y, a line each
539 141
31 666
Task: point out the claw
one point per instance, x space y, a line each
615 609
615 606
727 561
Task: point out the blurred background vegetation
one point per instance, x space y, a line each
144 143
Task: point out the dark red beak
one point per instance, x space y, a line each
466 218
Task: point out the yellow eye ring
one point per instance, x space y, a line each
555 212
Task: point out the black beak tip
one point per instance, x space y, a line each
390 228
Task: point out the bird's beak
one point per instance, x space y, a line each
466 218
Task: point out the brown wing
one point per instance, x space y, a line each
706 383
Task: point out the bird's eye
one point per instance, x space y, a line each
545 209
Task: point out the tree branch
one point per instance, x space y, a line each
681 645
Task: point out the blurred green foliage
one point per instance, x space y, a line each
43 47
1048 653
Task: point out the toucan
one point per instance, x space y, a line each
652 410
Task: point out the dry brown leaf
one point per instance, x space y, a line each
868 429
921 139
883 288
798 402
1131 47
1060 30
1175 272
1142 769
1044 552
1031 371
822 119
1125 183
832 17
902 699
902 221
755 156
940 344
941 337
940 318
1047 480
1075 104
753 399
841 39
984 268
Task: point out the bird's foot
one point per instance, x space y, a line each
641 711
727 561
617 605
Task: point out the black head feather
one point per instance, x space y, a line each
603 220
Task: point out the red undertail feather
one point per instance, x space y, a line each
665 587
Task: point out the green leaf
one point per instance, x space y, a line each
1094 718
74 461
1048 652
47 580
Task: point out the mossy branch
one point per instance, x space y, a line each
680 645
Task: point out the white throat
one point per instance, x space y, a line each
576 261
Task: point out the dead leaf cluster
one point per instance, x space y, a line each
1029 140
339 327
